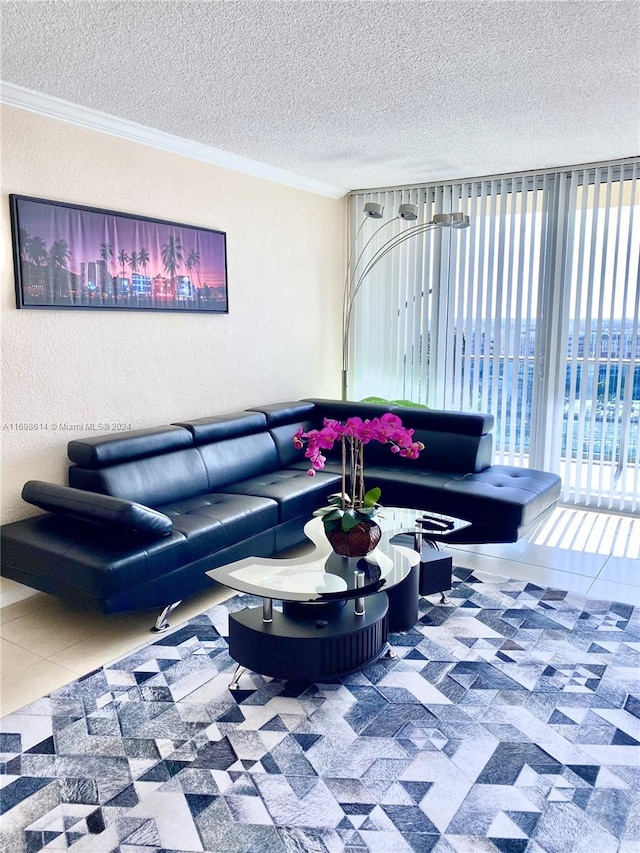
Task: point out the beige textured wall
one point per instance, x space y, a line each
280 341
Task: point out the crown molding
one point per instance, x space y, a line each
57 108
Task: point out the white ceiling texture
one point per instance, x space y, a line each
351 94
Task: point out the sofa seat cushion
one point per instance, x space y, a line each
500 496
65 555
504 495
294 491
214 521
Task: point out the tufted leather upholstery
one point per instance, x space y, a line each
213 521
293 490
229 486
519 495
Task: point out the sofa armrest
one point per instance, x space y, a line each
96 508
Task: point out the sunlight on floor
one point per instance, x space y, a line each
591 532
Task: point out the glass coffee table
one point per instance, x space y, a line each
335 610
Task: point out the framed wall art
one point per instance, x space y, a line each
69 256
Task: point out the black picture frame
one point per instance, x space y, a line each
69 256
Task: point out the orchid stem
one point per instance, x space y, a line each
344 474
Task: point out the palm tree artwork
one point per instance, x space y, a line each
23 241
171 259
59 255
143 258
123 258
106 253
193 262
172 255
89 258
36 251
134 260
33 252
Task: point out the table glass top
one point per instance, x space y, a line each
321 575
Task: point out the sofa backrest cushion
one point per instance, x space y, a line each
340 410
288 454
228 448
154 481
219 427
455 442
280 414
101 450
443 451
238 459
283 421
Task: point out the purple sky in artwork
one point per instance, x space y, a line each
86 231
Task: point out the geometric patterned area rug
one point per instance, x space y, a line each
509 721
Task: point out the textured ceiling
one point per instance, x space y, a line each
358 94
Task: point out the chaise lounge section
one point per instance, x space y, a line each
148 512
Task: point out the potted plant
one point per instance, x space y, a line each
349 518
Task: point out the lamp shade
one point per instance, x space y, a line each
373 210
451 220
459 220
408 211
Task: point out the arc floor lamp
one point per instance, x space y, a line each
358 270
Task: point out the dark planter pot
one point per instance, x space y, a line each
357 542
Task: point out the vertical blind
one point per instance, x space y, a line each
530 314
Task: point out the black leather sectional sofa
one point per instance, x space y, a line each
148 512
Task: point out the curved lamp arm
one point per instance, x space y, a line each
353 282
384 250
351 273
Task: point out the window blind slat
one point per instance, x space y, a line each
531 314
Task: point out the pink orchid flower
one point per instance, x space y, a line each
354 434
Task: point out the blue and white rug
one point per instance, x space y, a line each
508 722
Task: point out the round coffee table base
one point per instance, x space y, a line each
311 648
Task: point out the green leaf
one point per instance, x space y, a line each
369 511
334 515
318 513
372 497
409 403
350 519
337 498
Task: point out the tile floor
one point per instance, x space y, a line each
45 642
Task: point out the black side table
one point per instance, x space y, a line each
435 567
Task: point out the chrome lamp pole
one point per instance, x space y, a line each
356 274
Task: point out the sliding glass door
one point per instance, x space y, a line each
531 314
598 436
